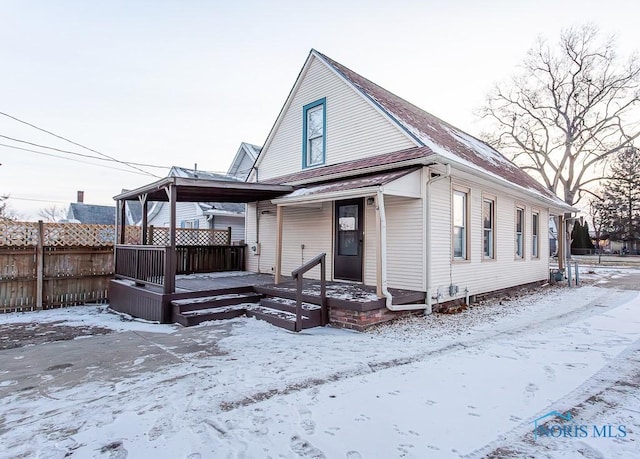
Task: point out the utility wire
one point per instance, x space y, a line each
76 143
84 155
70 159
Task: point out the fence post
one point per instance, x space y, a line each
228 235
40 265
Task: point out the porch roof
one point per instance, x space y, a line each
200 190
351 187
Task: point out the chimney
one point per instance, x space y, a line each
80 196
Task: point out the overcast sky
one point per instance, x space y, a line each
184 82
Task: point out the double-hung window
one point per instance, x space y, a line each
460 226
488 225
519 232
314 133
535 230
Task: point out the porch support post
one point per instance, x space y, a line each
170 255
278 243
145 218
122 217
378 252
561 242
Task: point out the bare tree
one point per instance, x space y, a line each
570 108
5 212
52 213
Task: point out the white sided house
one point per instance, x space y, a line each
396 198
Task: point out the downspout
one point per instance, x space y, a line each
427 239
383 261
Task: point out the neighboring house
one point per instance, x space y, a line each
243 161
216 215
553 237
92 214
395 197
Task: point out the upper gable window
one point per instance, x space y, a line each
314 133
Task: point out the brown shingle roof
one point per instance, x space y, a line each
438 136
355 165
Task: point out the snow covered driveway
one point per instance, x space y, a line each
467 385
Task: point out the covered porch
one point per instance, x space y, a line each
147 260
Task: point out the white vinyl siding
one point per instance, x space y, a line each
354 128
369 274
235 223
266 261
405 242
311 227
185 212
480 277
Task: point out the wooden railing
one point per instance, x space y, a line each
208 259
145 264
297 275
158 265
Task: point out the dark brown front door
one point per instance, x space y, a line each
347 259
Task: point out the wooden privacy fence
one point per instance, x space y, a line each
48 265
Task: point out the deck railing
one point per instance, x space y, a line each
154 265
297 275
145 264
209 258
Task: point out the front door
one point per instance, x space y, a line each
347 258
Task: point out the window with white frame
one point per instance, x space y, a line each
460 227
535 230
488 223
314 133
519 232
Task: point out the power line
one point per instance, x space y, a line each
76 143
82 154
32 199
69 159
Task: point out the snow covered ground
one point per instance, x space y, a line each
463 385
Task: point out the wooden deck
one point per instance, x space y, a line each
211 296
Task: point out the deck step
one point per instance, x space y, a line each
286 293
190 318
214 301
311 311
281 318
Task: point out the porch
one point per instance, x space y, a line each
222 295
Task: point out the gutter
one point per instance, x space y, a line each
427 236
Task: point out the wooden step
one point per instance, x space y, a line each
280 318
311 311
286 293
208 302
190 318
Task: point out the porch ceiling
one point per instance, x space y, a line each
198 190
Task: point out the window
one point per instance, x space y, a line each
460 225
519 233
488 219
535 229
314 132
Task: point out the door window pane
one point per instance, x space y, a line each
348 226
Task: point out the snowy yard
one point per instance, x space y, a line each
463 385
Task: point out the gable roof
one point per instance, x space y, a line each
435 139
92 214
246 150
